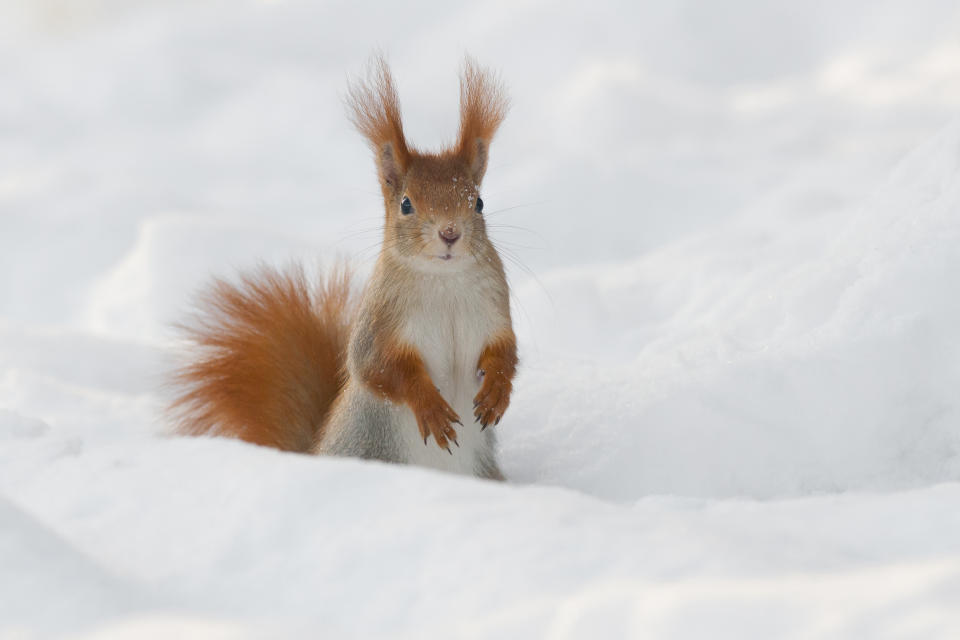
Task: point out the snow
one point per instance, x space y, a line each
738 231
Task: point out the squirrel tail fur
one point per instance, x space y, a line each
267 358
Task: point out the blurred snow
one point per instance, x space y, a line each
733 236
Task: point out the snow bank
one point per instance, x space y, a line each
758 360
340 545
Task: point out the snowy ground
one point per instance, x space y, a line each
738 413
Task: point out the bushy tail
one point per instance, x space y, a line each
266 358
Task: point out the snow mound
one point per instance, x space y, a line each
47 581
138 297
758 361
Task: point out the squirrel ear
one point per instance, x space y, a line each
391 172
483 105
477 164
374 109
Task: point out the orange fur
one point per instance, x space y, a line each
483 106
401 377
499 364
374 109
271 353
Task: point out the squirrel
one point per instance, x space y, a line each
281 363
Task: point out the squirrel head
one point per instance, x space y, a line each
434 213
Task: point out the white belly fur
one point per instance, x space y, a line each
450 323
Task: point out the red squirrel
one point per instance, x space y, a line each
428 344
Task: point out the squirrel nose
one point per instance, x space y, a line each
449 234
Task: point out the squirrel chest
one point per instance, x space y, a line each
449 319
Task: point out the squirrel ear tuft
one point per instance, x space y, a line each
374 108
483 106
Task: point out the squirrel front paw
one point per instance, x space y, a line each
492 401
434 417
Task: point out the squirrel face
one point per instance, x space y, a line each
432 201
436 216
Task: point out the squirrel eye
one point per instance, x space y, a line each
479 206
405 207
